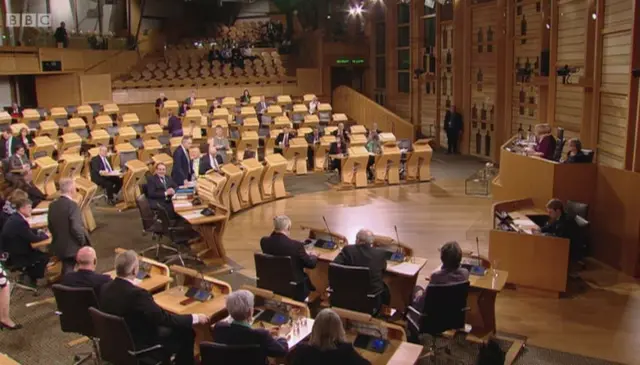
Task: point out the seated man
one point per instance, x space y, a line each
279 244
174 125
364 254
342 133
160 189
182 164
338 148
26 184
283 139
148 324
220 142
313 139
17 238
19 160
85 275
100 165
559 225
239 331
210 161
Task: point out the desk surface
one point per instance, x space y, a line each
397 352
42 207
493 280
170 300
523 222
38 221
155 282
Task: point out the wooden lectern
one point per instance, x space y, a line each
85 112
270 141
328 130
168 106
136 170
43 175
320 152
42 146
99 137
74 125
110 109
221 113
357 129
210 186
16 128
174 143
272 181
310 121
58 113
70 143
211 229
70 166
48 128
354 167
339 118
246 112
387 164
296 155
164 159
271 112
91 153
255 100
308 98
248 139
129 119
249 190
30 118
152 131
358 140
230 191
284 101
87 189
125 135
5 118
102 122
249 124
280 122
419 161
150 148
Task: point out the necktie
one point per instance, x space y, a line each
286 140
164 183
8 147
106 164
214 162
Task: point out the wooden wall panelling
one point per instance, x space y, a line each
445 78
461 68
570 50
427 89
58 90
95 88
483 82
613 92
500 118
633 144
527 45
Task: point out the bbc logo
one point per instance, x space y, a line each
34 20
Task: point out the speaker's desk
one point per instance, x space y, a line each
534 261
211 228
354 167
159 274
481 301
400 277
249 189
296 155
419 161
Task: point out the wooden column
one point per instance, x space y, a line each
553 59
461 66
590 98
417 10
504 79
592 139
633 134
392 54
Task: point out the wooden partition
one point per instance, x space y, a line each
366 111
57 90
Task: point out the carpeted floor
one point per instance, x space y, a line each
41 341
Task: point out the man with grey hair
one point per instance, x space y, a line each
365 254
148 324
66 226
239 330
279 244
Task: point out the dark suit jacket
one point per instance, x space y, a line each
17 238
155 189
309 137
85 279
343 354
96 166
365 256
280 138
16 162
345 134
174 125
205 163
182 166
563 227
278 244
136 305
452 122
334 150
3 149
67 230
35 195
579 157
238 334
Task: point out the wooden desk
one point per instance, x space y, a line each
249 189
136 170
110 109
5 118
320 152
152 132
75 124
167 107
482 302
387 164
419 161
70 166
85 112
249 124
125 135
150 148
99 137
70 143
87 189
43 175
102 122
272 181
164 158
42 146
230 197
535 262
401 278
210 249
310 121
357 129
129 119
270 142
42 207
248 139
358 140
159 274
296 155
48 128
353 170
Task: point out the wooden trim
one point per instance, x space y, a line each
590 98
633 131
461 67
504 44
592 140
553 59
439 55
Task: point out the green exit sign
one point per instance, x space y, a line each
357 61
350 61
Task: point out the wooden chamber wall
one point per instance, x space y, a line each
483 83
446 75
571 50
614 86
526 54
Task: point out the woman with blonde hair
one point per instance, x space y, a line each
328 344
545 142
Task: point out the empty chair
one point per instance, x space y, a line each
574 208
276 273
352 294
219 354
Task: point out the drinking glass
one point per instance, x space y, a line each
494 268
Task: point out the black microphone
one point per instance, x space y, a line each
397 239
330 234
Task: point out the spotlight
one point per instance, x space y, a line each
359 10
594 16
355 10
548 26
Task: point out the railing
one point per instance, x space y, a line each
366 111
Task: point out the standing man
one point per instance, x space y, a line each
453 128
100 167
261 108
61 36
66 227
182 164
8 143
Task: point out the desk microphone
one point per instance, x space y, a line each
395 228
478 247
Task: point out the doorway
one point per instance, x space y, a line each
350 76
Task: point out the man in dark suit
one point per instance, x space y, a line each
364 254
339 148
148 324
261 108
239 331
210 161
559 224
160 103
17 238
283 140
8 143
182 165
174 125
160 189
342 133
313 139
66 227
100 165
25 183
85 275
453 128
279 244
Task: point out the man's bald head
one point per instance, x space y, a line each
86 258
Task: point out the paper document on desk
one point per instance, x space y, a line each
35 219
180 197
405 267
192 215
39 210
524 223
182 204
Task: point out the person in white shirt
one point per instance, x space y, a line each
313 106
